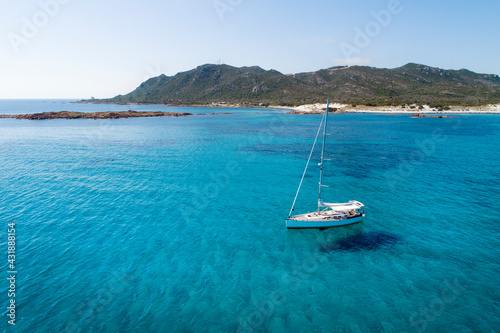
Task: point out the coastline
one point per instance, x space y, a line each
346 108
318 108
339 108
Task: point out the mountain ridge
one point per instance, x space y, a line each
252 85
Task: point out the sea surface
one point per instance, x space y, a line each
177 224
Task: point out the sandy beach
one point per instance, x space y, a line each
411 109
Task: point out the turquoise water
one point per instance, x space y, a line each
176 224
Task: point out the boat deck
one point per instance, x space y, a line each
328 215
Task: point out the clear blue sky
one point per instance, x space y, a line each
80 49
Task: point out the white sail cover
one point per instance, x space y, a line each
342 206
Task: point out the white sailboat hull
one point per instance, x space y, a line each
299 223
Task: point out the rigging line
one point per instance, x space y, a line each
322 157
305 170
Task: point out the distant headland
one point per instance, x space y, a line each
411 84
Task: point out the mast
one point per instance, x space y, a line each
307 165
322 157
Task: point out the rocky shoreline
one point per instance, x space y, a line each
419 115
95 115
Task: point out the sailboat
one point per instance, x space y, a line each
328 214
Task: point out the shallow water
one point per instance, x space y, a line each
176 224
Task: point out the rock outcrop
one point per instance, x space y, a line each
95 115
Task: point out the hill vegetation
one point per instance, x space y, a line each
409 84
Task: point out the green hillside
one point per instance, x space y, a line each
411 83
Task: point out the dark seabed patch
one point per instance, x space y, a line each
365 241
355 160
